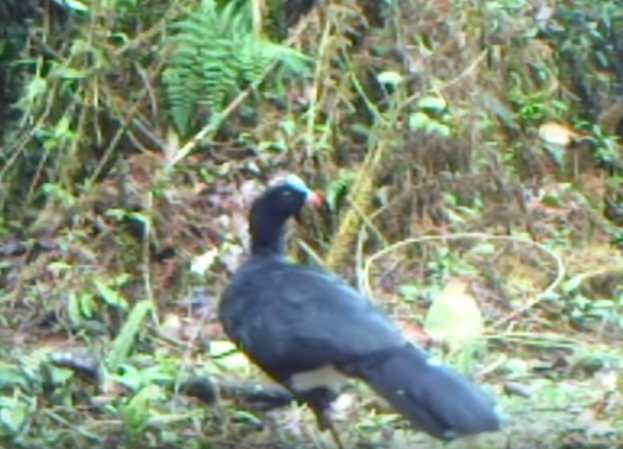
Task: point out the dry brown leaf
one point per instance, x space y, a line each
558 134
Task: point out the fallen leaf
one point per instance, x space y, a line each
228 355
557 134
454 316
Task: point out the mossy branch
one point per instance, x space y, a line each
360 204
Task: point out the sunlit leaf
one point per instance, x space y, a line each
418 120
557 134
73 5
70 73
454 316
202 263
390 77
432 103
483 248
228 355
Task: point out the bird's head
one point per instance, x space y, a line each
285 199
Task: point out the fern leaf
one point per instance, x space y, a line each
215 54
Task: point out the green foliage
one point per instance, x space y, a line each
216 52
129 332
13 415
436 111
339 187
431 116
137 411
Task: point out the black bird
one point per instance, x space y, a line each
309 330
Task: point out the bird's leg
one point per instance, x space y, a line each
325 423
319 401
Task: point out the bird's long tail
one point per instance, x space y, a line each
434 398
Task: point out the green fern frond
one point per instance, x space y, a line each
216 53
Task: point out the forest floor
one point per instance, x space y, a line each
119 233
552 360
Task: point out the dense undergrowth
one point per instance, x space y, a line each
135 134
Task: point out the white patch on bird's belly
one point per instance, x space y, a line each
321 377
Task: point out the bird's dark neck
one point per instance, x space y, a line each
267 239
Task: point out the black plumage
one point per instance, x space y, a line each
310 330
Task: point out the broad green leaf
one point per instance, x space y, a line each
110 295
11 377
88 305
129 332
418 121
439 128
13 416
137 412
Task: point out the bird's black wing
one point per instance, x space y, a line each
299 318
